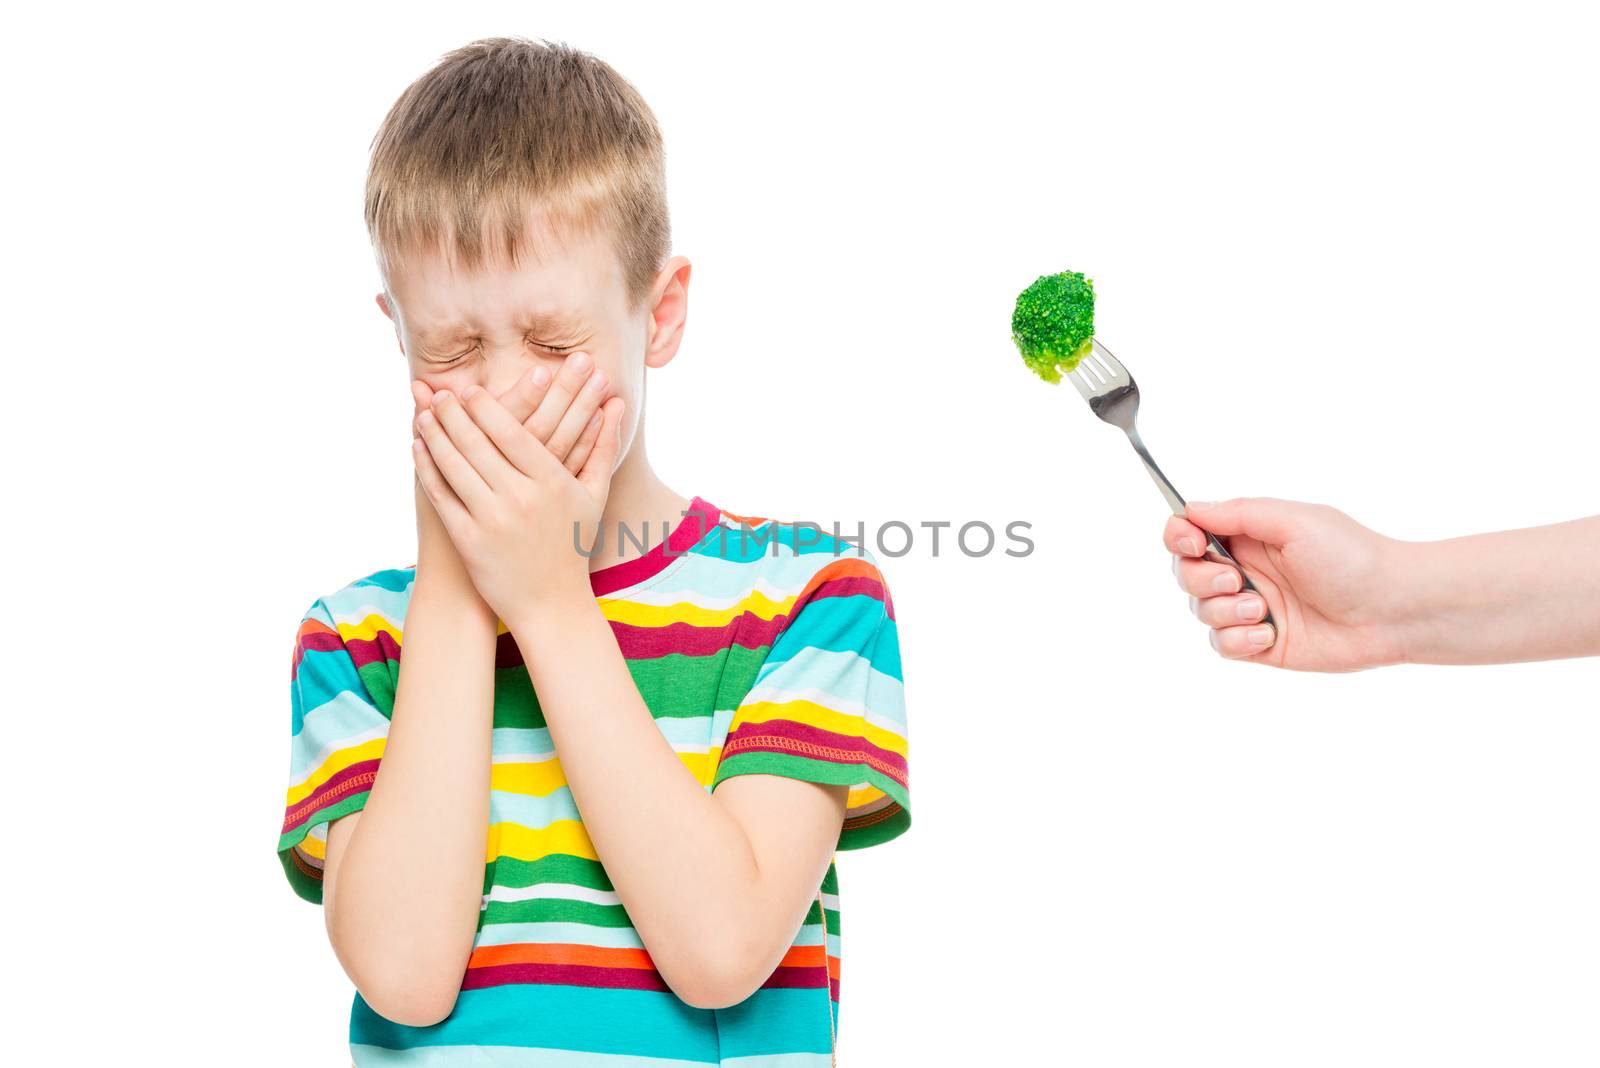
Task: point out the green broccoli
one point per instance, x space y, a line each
1053 324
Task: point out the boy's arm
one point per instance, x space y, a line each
716 885
402 919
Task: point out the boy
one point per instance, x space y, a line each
723 704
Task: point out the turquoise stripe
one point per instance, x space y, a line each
534 813
361 599
631 1022
709 577
746 545
397 579
321 677
689 731
551 933
847 676
841 624
345 715
775 1020
522 1057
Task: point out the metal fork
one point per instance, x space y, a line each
1114 397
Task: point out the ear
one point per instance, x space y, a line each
388 309
669 308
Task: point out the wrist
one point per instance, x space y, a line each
1425 607
441 593
552 610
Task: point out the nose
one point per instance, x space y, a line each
500 373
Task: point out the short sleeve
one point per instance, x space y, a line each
338 733
827 704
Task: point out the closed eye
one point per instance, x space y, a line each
561 349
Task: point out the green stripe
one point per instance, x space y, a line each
795 766
556 868
554 910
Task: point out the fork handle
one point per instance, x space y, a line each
1216 549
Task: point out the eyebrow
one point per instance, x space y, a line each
545 323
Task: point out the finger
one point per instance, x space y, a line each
1236 642
422 400
1228 611
470 441
573 424
462 477
443 498
1183 537
596 473
1266 519
1205 578
526 393
519 451
568 381
584 445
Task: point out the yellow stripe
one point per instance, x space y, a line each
864 796
538 778
368 628
651 615
314 847
816 715
517 842
541 778
337 761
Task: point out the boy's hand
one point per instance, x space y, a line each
513 510
439 566
1333 585
555 408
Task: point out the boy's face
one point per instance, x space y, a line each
498 323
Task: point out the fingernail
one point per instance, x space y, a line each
441 395
1201 504
1248 608
540 377
1189 546
596 383
470 392
579 361
1226 582
1261 635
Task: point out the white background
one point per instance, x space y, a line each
1348 252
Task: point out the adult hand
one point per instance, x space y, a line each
1330 582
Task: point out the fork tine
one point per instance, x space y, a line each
1084 389
1113 366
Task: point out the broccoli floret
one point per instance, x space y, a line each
1053 324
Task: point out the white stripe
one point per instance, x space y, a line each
564 891
315 763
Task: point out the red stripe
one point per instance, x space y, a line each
699 518
352 780
565 975
802 739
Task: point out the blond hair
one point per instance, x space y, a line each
505 125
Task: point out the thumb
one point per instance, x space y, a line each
1266 519
596 473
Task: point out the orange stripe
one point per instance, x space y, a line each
610 957
560 953
802 957
307 626
843 567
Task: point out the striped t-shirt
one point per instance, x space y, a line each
758 646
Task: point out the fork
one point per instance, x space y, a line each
1114 397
